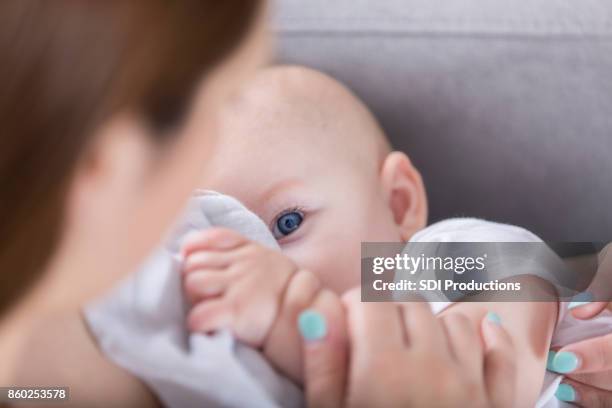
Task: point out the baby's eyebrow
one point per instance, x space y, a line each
278 188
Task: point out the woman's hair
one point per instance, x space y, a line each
68 65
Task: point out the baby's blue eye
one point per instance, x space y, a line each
287 223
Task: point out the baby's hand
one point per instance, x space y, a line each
256 292
233 283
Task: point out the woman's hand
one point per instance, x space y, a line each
583 395
588 363
401 355
588 369
587 360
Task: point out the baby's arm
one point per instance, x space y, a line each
530 325
256 292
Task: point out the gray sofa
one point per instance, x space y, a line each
505 106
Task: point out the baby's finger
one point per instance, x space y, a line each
373 326
586 310
300 292
210 316
499 362
583 395
464 343
423 329
212 239
204 284
207 259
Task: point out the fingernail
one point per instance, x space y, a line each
494 318
549 360
566 392
580 299
565 362
312 325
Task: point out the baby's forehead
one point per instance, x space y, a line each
274 101
294 124
290 139
294 106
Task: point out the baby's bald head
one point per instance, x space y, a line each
307 108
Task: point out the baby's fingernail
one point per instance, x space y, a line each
566 392
580 299
549 360
312 325
565 362
494 318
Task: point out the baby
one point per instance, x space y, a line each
305 155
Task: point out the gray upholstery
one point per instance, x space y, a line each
505 106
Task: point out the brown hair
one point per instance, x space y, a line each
67 65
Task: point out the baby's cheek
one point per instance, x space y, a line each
335 261
339 271
331 245
379 225
339 256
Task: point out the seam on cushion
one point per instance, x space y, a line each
468 26
458 35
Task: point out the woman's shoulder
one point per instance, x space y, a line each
62 352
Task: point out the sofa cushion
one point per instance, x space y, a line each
504 106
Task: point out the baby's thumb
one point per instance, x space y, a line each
499 359
586 310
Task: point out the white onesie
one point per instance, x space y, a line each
140 324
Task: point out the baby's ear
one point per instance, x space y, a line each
405 194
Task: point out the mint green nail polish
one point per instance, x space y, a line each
549 360
312 325
565 362
494 318
580 299
566 392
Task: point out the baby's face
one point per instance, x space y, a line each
316 192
